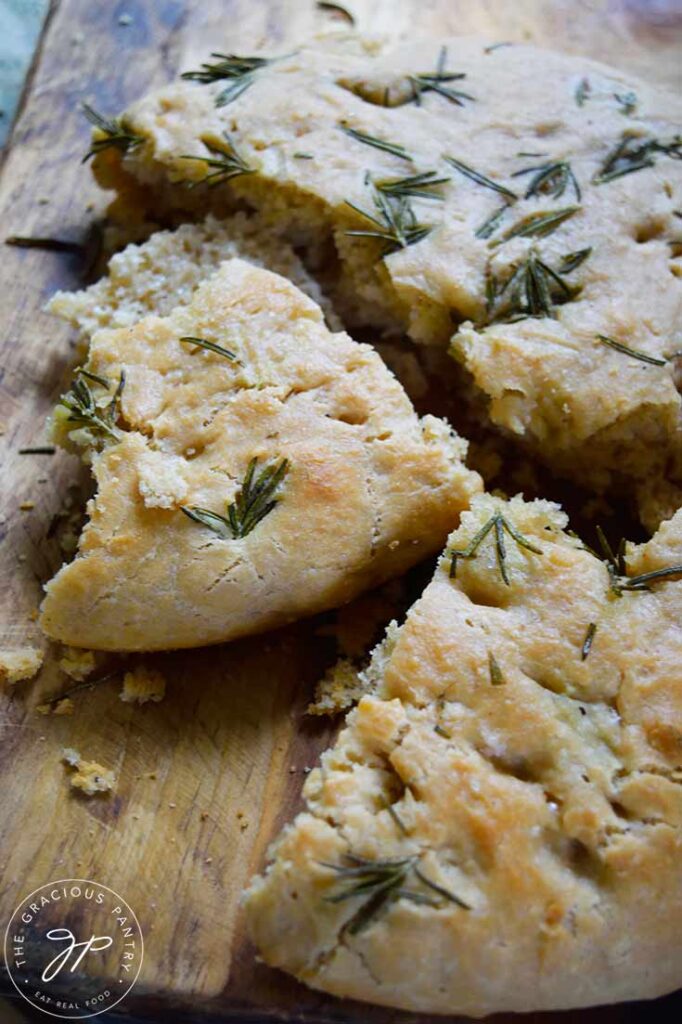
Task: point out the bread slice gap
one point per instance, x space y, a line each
519 206
252 468
498 826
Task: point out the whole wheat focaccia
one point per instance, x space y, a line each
164 272
499 825
252 468
522 203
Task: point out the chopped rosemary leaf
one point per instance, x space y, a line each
116 134
379 883
45 449
641 582
303 156
627 351
572 260
533 288
537 225
210 346
492 223
226 163
396 817
336 9
372 140
582 92
395 222
587 642
550 180
85 412
500 525
437 80
479 178
627 101
631 154
496 677
239 71
94 377
495 46
417 186
255 500
51 244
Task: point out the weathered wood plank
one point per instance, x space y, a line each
231 728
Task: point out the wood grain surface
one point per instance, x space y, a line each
207 777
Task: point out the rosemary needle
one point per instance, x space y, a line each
336 9
394 148
537 224
496 677
417 186
550 180
46 449
479 178
588 641
633 352
210 346
49 244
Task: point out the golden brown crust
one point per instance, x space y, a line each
541 788
370 489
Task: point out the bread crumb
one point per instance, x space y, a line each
142 685
90 777
23 663
76 663
339 689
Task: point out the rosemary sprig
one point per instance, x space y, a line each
238 71
210 346
496 677
588 641
479 178
395 223
379 883
631 154
499 525
537 225
336 9
49 244
550 180
373 140
255 500
438 81
418 186
627 351
115 134
583 92
533 288
627 101
226 163
84 411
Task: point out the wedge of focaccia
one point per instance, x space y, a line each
499 826
252 468
524 204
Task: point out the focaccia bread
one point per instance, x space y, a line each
499 826
252 468
165 271
526 202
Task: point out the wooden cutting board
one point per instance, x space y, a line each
207 777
